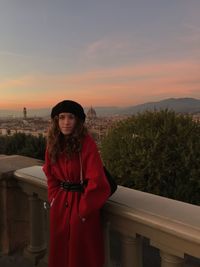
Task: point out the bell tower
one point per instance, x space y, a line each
25 113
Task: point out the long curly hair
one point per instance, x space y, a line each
58 143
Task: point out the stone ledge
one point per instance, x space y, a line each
9 164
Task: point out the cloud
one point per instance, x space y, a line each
112 46
13 54
190 36
126 85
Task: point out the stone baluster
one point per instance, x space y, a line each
168 260
107 243
44 261
4 237
131 251
37 246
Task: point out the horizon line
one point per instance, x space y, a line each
86 107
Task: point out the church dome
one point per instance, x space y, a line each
91 114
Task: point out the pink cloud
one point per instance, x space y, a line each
126 85
112 45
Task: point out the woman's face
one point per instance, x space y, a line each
66 123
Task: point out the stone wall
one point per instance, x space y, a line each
14 204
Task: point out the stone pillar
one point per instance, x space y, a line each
131 251
44 261
37 246
168 260
107 243
4 239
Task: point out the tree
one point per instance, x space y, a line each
157 152
22 144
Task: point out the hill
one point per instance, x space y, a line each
180 105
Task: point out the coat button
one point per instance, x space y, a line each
66 205
83 220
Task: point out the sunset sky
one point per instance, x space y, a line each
100 53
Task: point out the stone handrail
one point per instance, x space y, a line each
171 226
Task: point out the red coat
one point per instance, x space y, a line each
74 243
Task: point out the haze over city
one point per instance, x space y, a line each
101 53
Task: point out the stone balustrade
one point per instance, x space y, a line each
170 226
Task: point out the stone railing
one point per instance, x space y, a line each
130 219
173 227
14 207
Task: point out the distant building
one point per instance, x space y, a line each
25 113
91 114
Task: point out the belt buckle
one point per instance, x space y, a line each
67 185
63 185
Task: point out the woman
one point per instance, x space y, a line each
77 189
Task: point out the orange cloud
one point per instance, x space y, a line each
127 85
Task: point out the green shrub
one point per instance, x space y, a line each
22 144
157 152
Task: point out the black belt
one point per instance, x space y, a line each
75 187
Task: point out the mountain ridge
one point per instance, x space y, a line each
180 105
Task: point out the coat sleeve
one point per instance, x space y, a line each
97 190
52 183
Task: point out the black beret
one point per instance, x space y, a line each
70 107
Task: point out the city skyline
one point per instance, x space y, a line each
110 53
